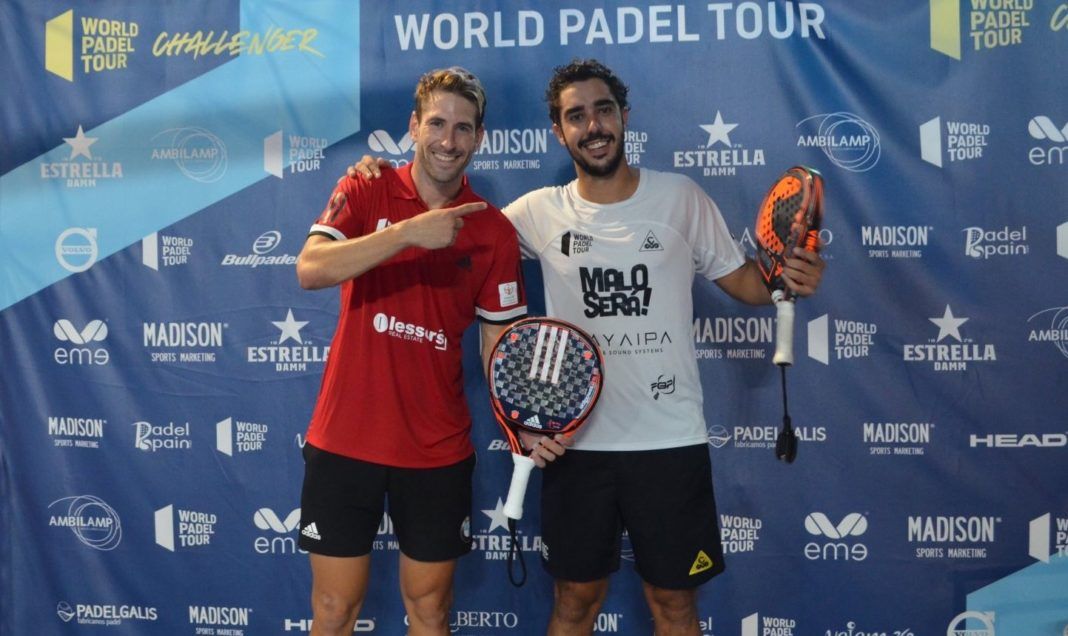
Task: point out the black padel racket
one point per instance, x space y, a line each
789 217
545 376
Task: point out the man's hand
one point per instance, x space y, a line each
435 229
803 272
543 448
368 167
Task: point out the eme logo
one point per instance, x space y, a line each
380 141
834 546
79 352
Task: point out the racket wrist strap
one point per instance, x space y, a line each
784 329
517 490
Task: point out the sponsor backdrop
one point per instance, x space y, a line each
161 165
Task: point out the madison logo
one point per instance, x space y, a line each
512 149
609 292
895 241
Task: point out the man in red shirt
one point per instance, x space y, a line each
418 256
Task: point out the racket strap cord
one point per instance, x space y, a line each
514 553
786 445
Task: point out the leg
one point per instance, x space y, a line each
338 588
426 588
674 611
575 606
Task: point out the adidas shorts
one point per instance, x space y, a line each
663 499
343 499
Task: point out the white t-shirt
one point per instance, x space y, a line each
624 272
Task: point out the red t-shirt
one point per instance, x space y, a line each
392 391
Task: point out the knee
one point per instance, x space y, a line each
332 612
672 606
578 603
429 610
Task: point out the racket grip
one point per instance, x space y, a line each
517 490
784 329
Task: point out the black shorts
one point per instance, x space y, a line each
343 499
662 498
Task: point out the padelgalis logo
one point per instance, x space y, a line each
102 45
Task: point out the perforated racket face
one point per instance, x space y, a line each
545 375
789 216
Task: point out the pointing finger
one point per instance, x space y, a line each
467 208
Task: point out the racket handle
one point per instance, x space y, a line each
517 491
784 329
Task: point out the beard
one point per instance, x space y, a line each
603 170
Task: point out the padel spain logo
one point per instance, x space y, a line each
91 519
185 530
955 141
847 140
982 243
99 45
986 24
81 169
840 339
300 153
718 155
950 356
1047 536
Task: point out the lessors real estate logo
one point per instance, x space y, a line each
956 141
840 339
897 438
950 356
983 25
101 45
76 432
81 168
847 140
104 615
182 342
1048 536
90 518
293 357
952 536
183 529
299 152
396 328
719 156
239 436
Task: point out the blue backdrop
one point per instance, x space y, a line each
161 165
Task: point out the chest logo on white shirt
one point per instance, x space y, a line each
575 243
611 292
651 243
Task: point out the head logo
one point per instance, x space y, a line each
959 625
848 141
199 154
718 156
76 249
94 522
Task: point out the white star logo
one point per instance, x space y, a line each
79 144
290 328
948 325
497 518
718 131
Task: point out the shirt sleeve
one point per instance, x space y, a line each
519 214
503 297
715 252
343 217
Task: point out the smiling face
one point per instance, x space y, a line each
591 127
446 134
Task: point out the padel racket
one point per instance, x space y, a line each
545 376
789 217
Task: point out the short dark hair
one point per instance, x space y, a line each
578 71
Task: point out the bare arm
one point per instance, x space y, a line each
325 262
802 275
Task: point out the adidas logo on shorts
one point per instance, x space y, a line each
311 532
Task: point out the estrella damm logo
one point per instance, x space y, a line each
991 24
102 45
